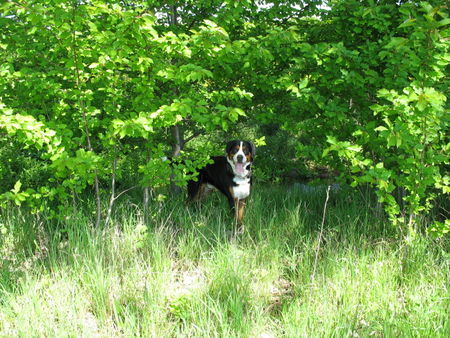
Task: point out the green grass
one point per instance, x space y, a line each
182 274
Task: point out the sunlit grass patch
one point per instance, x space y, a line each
180 272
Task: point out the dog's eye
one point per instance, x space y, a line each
246 152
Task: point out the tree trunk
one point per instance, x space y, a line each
113 192
177 131
177 147
147 195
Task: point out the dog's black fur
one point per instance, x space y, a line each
230 174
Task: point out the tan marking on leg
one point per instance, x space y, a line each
240 211
236 208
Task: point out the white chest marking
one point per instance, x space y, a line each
242 189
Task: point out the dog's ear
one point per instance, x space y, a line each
229 146
252 148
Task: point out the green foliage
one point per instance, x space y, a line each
111 76
92 94
404 144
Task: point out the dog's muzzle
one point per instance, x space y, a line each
240 168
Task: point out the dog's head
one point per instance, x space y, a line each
240 156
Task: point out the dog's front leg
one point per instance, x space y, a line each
239 206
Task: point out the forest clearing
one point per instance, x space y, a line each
326 121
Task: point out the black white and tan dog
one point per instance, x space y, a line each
230 174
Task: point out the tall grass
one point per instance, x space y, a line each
181 273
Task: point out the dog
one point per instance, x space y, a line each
230 174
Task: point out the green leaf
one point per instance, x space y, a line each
381 128
17 187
